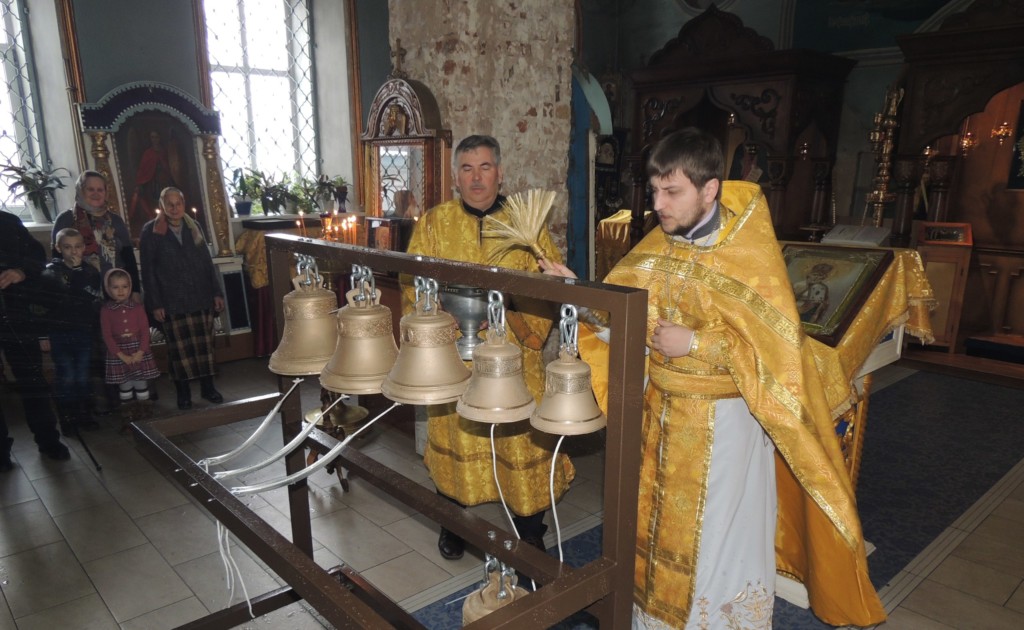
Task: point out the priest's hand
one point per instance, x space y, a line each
552 268
670 339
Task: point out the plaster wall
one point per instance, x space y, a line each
502 69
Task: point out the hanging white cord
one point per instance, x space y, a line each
227 560
284 450
501 495
551 489
210 461
315 466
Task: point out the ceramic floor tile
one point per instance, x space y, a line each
6 619
99 530
975 579
136 581
992 553
15 488
86 613
177 614
373 503
119 458
903 619
405 575
180 533
42 577
1016 601
1001 529
26 525
588 496
279 522
420 533
293 617
401 463
1012 509
935 601
35 465
70 492
206 578
146 493
356 540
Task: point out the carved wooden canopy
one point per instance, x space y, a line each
954 71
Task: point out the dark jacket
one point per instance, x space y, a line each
22 304
78 292
177 277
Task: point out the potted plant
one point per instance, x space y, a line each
331 190
276 193
247 186
38 185
304 190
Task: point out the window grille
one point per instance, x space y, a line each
261 70
21 132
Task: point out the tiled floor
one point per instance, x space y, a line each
125 548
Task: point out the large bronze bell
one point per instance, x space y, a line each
310 331
428 369
569 406
366 347
497 392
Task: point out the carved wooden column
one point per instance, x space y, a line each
779 170
940 177
101 155
905 178
215 192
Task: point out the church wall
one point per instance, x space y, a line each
502 69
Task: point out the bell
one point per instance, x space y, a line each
428 369
468 305
310 331
497 392
569 406
366 344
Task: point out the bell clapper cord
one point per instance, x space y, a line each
312 468
219 459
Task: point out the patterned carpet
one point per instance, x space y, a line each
934 445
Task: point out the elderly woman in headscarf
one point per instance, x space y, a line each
182 291
108 244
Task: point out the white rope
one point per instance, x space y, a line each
554 510
284 450
501 495
209 461
312 468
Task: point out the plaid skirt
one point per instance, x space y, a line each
189 345
117 371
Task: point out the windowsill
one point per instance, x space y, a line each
33 226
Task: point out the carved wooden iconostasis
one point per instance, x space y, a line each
959 143
776 113
145 136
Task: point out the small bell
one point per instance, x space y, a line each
310 332
497 392
569 406
366 348
428 369
468 305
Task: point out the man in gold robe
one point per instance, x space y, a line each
732 380
458 451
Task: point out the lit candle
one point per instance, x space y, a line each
194 213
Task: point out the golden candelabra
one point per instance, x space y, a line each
882 139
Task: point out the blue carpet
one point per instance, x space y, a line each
934 445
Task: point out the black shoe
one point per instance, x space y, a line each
67 429
208 391
184 395
56 451
451 546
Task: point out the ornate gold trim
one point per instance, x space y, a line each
216 196
101 159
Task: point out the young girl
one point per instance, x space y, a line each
126 334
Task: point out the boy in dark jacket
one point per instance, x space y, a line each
72 329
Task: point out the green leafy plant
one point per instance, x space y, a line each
276 193
304 190
247 183
328 188
35 183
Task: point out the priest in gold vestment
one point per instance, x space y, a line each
733 379
458 451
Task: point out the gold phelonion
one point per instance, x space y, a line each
526 218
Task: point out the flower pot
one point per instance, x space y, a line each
40 213
243 207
